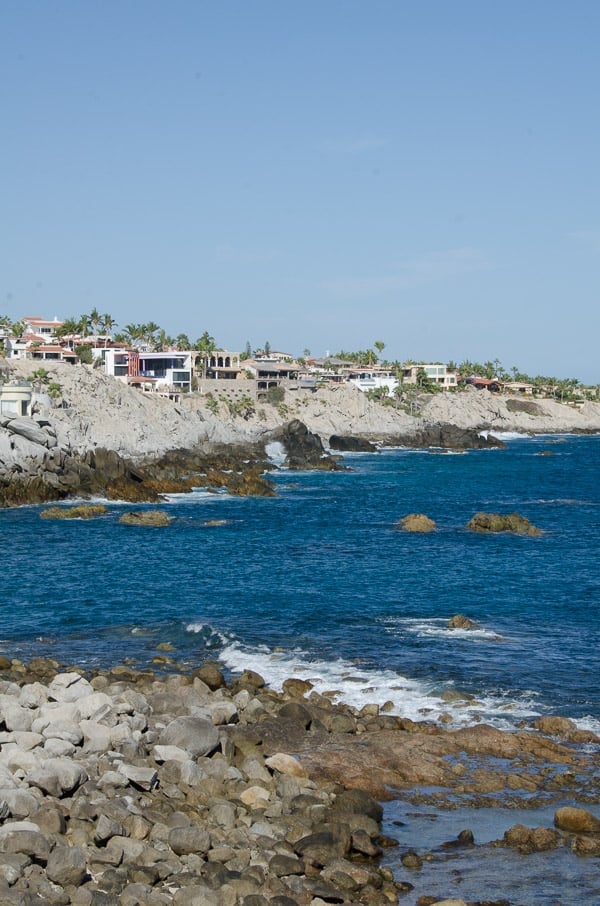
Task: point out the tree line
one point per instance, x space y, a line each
152 336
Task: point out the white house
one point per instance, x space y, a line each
161 371
437 374
371 378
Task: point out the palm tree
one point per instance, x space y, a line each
182 342
133 333
54 391
149 330
40 377
163 341
68 328
107 323
95 319
206 346
379 346
84 326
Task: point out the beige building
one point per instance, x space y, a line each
15 398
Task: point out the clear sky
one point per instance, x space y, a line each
320 174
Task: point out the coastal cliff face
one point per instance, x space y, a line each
53 454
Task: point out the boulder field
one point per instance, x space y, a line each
127 787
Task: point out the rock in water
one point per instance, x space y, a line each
497 522
459 621
347 443
303 448
576 820
416 522
145 517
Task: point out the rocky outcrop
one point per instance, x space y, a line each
58 475
304 450
448 437
496 522
351 444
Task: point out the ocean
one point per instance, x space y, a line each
319 583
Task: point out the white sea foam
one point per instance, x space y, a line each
197 495
503 435
425 628
351 684
276 452
589 723
215 635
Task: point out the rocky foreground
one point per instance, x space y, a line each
131 788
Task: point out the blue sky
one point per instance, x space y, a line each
319 174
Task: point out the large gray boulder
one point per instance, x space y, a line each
58 777
186 840
67 865
196 735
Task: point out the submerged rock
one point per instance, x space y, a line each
531 839
82 511
497 522
145 517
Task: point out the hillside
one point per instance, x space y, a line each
96 412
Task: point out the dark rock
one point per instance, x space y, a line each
448 437
351 444
296 711
323 846
304 450
530 840
282 865
67 865
358 802
411 860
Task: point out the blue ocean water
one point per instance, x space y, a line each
318 583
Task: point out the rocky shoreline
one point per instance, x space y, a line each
132 787
107 439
